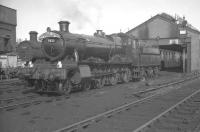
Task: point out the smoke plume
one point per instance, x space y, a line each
81 12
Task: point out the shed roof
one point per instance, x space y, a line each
166 17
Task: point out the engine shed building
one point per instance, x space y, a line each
173 34
8 23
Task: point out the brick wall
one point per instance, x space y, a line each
8 22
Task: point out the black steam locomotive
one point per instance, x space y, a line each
75 61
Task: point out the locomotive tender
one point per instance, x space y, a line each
76 61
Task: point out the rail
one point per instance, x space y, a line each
96 118
149 123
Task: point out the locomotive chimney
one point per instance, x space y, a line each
99 32
33 36
64 26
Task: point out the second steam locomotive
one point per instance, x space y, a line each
70 61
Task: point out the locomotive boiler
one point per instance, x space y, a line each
78 61
30 50
56 45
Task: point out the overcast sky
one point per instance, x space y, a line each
86 16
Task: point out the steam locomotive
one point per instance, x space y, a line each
65 61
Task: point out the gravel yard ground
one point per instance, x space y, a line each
138 115
50 116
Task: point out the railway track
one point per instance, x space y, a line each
178 81
18 96
9 81
14 89
180 117
13 99
27 101
110 113
9 86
